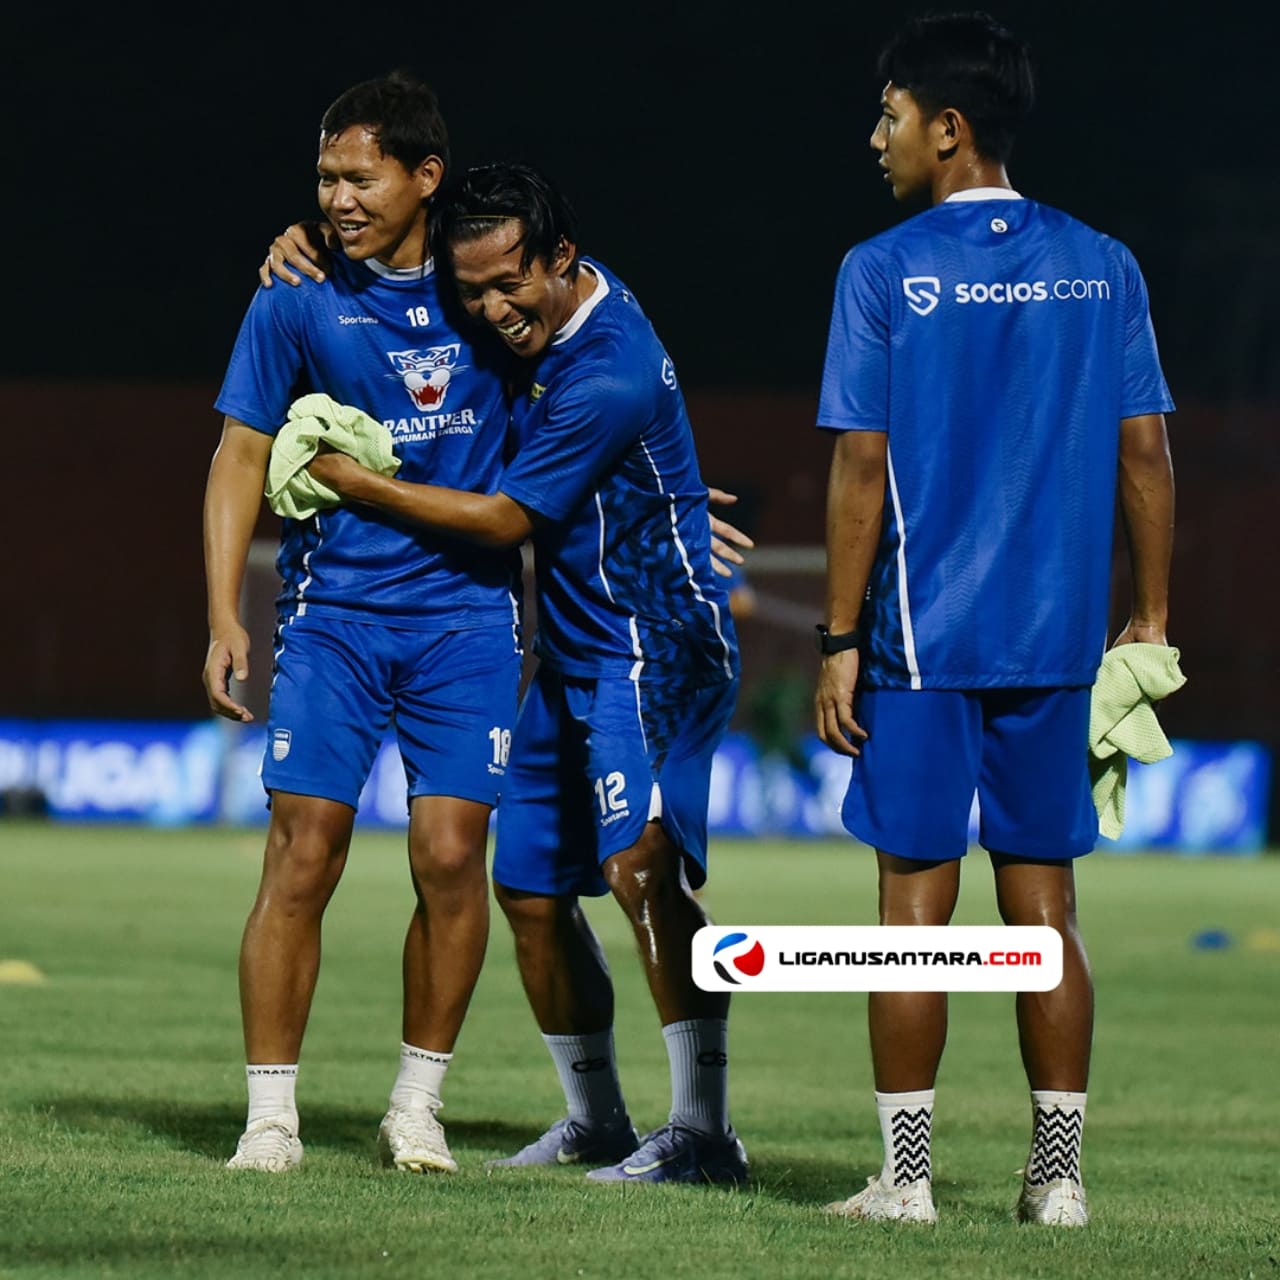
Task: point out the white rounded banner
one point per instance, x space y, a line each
877 958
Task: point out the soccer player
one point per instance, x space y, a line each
380 621
990 363
610 762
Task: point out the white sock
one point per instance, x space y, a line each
589 1077
271 1091
906 1125
421 1077
698 1052
1057 1126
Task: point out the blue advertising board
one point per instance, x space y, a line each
1207 797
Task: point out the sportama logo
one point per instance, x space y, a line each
749 957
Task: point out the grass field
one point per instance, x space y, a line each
121 1086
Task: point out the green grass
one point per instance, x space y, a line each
121 1086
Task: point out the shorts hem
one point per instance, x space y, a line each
880 846
310 791
1032 854
453 793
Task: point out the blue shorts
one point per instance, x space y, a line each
592 761
1025 751
338 685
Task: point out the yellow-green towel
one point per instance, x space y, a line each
1122 722
291 491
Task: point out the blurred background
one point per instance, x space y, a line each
717 154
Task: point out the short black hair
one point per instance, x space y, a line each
970 62
401 110
494 192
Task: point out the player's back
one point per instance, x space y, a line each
1012 339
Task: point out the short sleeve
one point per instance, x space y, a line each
1143 387
266 363
855 377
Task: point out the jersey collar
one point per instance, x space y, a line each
983 193
400 273
579 317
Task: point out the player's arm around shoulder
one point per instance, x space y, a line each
1146 510
305 246
233 497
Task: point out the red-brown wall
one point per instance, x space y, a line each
103 585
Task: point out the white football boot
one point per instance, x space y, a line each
1060 1203
269 1145
910 1203
412 1139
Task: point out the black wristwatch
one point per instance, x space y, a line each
827 643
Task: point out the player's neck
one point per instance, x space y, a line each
964 173
410 250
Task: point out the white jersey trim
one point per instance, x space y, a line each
306 568
982 193
400 273
516 638
636 651
579 317
904 600
688 568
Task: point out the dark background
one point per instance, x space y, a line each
718 158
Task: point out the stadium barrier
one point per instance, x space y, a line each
1208 797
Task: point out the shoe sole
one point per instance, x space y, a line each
413 1164
837 1210
246 1167
420 1166
702 1180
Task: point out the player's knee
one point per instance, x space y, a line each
301 867
642 878
448 860
305 850
531 915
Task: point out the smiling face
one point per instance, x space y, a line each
524 306
376 205
907 143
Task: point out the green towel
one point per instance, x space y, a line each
291 491
1122 722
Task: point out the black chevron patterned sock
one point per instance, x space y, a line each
906 1124
1057 1125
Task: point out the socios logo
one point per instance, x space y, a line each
922 293
925 292
747 956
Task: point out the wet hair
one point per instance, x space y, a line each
492 193
400 110
969 62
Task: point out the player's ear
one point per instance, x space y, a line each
429 175
565 254
950 130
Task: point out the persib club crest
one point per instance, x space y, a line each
426 374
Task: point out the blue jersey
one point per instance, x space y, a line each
999 343
605 454
380 340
